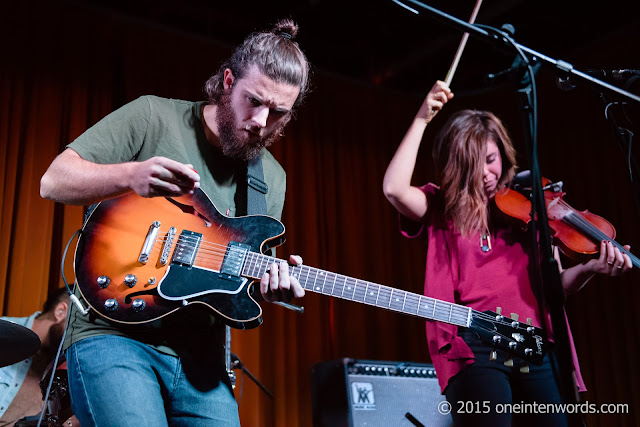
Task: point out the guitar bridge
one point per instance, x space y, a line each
166 248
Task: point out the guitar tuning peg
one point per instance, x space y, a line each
524 369
499 310
515 324
509 362
493 355
529 321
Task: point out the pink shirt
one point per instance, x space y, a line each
457 270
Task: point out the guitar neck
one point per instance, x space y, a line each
344 287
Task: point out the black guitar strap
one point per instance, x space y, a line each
256 188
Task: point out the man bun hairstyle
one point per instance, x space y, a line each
277 55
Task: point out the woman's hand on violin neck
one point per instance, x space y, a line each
612 261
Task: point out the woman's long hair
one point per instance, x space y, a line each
459 154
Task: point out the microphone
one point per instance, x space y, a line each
622 75
512 73
521 180
516 71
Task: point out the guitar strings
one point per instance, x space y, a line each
209 250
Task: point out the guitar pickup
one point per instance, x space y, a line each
186 248
234 258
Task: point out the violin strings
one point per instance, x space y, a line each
576 219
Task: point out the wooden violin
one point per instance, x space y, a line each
577 233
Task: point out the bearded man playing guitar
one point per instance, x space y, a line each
171 370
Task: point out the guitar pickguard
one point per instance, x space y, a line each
183 282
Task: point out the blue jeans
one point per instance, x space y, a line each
117 381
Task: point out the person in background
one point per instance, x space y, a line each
20 392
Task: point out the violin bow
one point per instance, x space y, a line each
463 43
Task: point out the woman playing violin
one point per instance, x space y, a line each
475 257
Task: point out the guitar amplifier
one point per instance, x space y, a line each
357 393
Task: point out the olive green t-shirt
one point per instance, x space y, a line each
152 126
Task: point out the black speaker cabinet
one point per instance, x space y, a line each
371 393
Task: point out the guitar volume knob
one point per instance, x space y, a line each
130 280
138 305
103 281
111 304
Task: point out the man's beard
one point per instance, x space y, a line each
233 145
46 354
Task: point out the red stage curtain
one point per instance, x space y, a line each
65 67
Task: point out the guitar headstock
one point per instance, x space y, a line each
521 340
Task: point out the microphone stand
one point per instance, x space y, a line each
501 40
237 364
552 283
232 362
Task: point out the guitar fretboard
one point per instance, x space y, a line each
344 287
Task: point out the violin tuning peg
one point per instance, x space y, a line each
529 321
499 310
493 355
524 369
514 316
509 362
